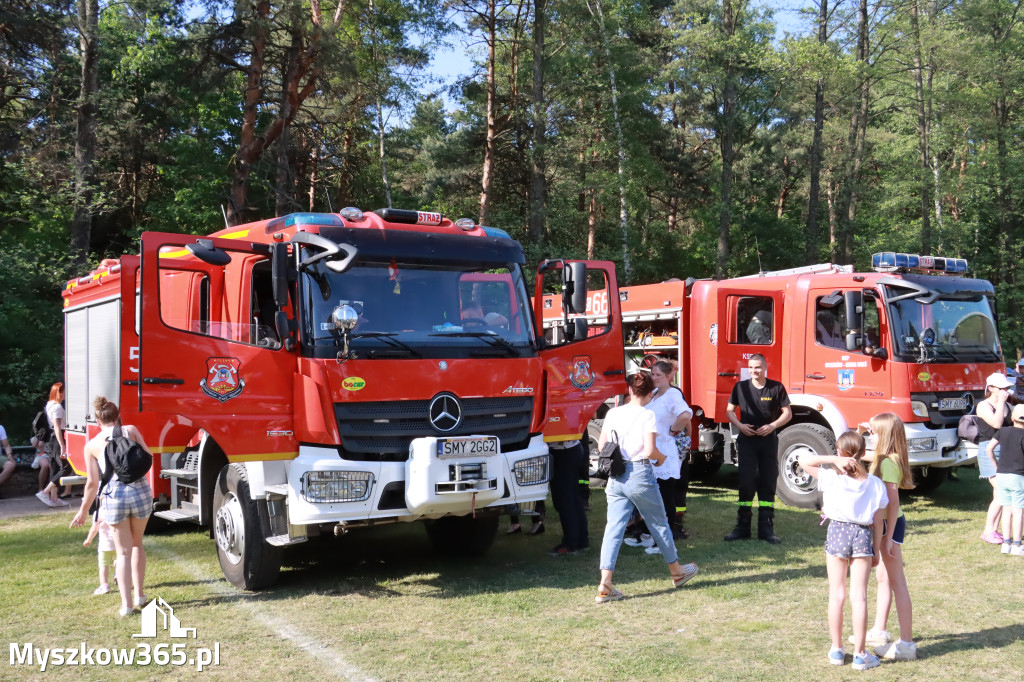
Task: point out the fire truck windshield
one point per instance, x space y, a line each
947 330
413 310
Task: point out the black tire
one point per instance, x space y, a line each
796 487
927 479
463 536
247 560
593 434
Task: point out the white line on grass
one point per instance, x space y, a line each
323 652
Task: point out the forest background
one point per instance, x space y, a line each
676 138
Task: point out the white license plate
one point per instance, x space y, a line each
953 404
474 446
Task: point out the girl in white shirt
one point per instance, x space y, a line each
634 428
855 503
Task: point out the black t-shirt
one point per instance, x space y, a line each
986 432
759 406
1011 450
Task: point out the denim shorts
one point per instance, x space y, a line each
1010 490
848 540
899 531
985 468
122 501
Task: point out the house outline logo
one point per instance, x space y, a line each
151 622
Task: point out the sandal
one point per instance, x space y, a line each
689 570
604 596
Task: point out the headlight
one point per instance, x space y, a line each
533 470
921 444
919 408
336 486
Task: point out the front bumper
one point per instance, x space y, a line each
418 482
950 450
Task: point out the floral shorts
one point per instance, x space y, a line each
848 540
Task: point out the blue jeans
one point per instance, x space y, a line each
637 487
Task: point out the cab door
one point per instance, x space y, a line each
749 322
584 360
207 358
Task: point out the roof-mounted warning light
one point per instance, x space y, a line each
401 215
889 261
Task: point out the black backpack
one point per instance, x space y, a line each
41 427
126 458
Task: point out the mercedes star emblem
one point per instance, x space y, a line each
445 413
969 400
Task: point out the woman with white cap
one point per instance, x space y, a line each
993 413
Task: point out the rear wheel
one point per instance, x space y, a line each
795 486
248 562
463 536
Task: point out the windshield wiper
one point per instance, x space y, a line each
390 338
490 337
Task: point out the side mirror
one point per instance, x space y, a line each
575 275
279 273
853 303
204 250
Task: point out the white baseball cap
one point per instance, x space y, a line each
999 380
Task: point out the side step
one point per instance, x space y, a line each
284 540
177 515
184 474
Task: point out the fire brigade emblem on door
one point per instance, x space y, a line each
222 380
581 376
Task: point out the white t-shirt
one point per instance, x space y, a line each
54 411
3 433
630 423
847 499
666 409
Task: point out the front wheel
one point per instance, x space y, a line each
795 486
247 560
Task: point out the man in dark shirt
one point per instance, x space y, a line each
764 408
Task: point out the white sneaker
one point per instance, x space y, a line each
898 651
1017 550
874 638
45 499
60 503
1006 548
102 589
645 541
653 549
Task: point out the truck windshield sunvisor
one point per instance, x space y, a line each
416 247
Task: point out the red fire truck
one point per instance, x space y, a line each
913 337
321 372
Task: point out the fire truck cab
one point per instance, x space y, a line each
913 337
322 372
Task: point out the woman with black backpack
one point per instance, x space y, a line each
126 507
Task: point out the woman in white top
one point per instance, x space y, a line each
673 417
55 448
633 427
126 506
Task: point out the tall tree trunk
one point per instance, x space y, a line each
923 133
314 175
812 231
627 265
249 146
592 224
727 145
283 187
85 134
488 171
538 169
847 208
383 159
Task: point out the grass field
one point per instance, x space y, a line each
379 605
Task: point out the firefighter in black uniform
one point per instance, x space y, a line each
764 408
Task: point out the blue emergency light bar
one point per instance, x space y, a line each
889 261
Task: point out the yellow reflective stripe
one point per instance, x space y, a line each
556 439
266 456
236 235
175 254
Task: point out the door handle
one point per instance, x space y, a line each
728 374
157 380
614 372
815 376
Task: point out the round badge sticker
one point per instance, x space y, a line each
924 376
353 383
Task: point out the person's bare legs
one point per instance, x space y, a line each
123 568
7 471
896 591
837 567
860 570
138 528
994 511
44 474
